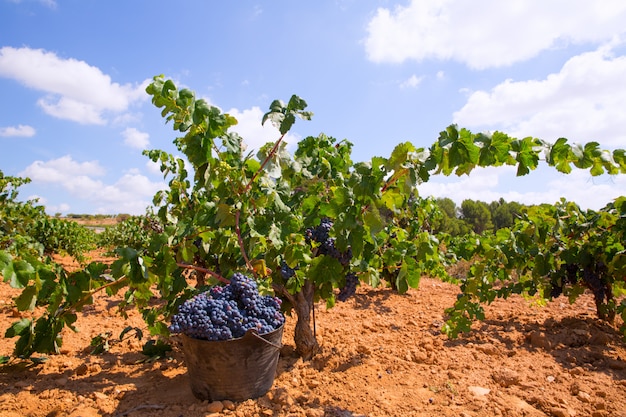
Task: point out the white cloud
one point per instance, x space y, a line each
74 90
154 167
48 3
491 184
254 134
132 193
61 169
50 208
584 101
479 185
486 33
59 208
19 130
412 82
136 139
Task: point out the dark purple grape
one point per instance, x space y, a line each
227 312
350 288
286 272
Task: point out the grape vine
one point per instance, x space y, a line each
306 226
552 250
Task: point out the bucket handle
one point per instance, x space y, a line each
255 334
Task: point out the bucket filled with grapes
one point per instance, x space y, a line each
232 337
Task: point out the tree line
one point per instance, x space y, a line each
474 216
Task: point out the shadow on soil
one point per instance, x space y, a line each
102 381
573 341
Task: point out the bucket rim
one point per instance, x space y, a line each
250 333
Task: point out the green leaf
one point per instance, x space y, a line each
224 216
464 153
324 269
201 111
18 273
232 142
276 113
372 220
559 156
583 157
527 158
5 260
18 328
400 155
275 237
402 284
27 299
342 197
188 251
155 349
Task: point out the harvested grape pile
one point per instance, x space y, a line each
382 355
227 312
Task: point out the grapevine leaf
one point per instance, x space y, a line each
393 198
559 156
402 284
155 349
399 156
342 197
324 269
275 237
357 242
224 216
5 259
276 113
487 156
412 272
527 158
232 142
464 154
619 156
582 156
127 329
284 116
27 299
201 111
597 168
296 104
18 273
448 136
18 328
372 220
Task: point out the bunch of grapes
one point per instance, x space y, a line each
326 246
350 288
320 233
286 271
559 283
228 312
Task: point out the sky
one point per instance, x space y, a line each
75 118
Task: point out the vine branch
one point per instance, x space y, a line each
91 293
265 161
205 270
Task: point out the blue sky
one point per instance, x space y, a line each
75 118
